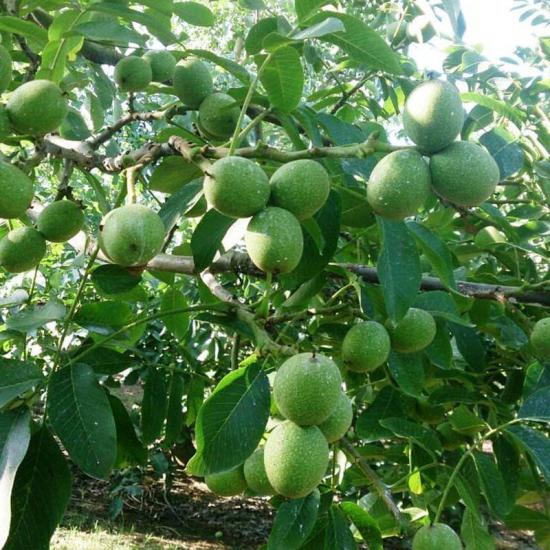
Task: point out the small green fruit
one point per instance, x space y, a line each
436 537
307 388
488 237
16 191
540 338
301 187
218 115
131 235
60 221
37 107
255 474
296 459
236 187
6 70
356 211
433 115
192 82
274 240
163 64
464 173
22 249
414 332
133 74
74 127
227 484
338 423
366 346
399 185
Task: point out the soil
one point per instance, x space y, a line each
195 519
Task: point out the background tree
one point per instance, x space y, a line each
404 292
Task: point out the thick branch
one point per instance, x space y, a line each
238 262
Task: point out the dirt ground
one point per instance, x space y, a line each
191 518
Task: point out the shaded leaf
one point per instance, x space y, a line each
408 371
17 378
153 405
34 317
207 237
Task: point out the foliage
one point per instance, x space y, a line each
454 433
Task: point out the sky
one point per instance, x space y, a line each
490 24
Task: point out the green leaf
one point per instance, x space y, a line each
258 31
107 361
440 351
17 378
238 71
408 371
174 411
398 268
338 534
294 522
176 323
465 421
231 422
252 4
110 32
130 451
283 79
180 202
536 444
81 416
423 436
522 518
474 533
207 238
469 345
15 435
16 298
436 251
24 28
314 261
101 197
504 148
492 484
194 14
328 26
388 403
96 316
537 406
114 279
508 461
366 525
307 8
500 107
34 317
153 405
361 43
40 494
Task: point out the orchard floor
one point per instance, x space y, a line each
191 519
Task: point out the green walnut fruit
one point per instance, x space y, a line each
433 115
399 185
16 191
338 423
22 249
540 338
218 115
60 221
436 537
255 474
274 240
236 187
37 107
5 69
192 82
307 388
74 127
296 459
464 173
131 235
488 237
133 74
301 187
5 123
366 346
163 65
227 484
356 211
414 332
